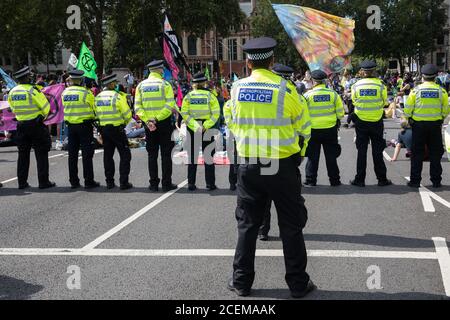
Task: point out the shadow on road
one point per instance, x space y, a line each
15 289
370 239
346 295
374 240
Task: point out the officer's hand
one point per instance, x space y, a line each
151 126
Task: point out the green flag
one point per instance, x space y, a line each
87 63
207 74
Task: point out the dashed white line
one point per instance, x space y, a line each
443 256
133 218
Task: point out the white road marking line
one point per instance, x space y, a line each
10 180
427 197
443 256
133 218
216 253
57 156
386 156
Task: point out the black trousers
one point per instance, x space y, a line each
427 133
328 138
351 111
81 136
265 227
233 156
207 142
284 188
160 139
33 134
373 132
115 138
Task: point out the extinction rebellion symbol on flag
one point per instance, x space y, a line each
87 62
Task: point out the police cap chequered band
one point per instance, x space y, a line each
259 56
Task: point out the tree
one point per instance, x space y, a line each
404 25
30 27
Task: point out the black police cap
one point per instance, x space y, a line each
282 70
368 65
430 70
319 75
109 79
22 73
76 74
199 78
260 48
156 64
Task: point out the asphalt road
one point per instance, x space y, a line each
180 245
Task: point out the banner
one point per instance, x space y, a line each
10 83
7 122
87 63
53 94
323 40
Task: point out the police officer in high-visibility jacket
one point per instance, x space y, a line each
201 112
31 108
272 129
326 111
426 108
154 104
78 102
369 96
114 113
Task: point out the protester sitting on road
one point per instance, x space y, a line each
404 141
135 130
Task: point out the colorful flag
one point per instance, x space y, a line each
87 63
10 83
53 94
170 41
207 75
324 41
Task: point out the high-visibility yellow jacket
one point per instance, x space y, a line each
154 99
200 105
325 107
427 102
28 103
369 97
112 109
267 117
78 104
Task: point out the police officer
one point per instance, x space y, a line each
31 107
201 112
326 111
154 104
267 120
114 113
79 115
426 108
369 96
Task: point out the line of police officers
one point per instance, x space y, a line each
271 124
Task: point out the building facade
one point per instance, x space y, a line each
222 56
57 65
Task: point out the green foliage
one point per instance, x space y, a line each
118 30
